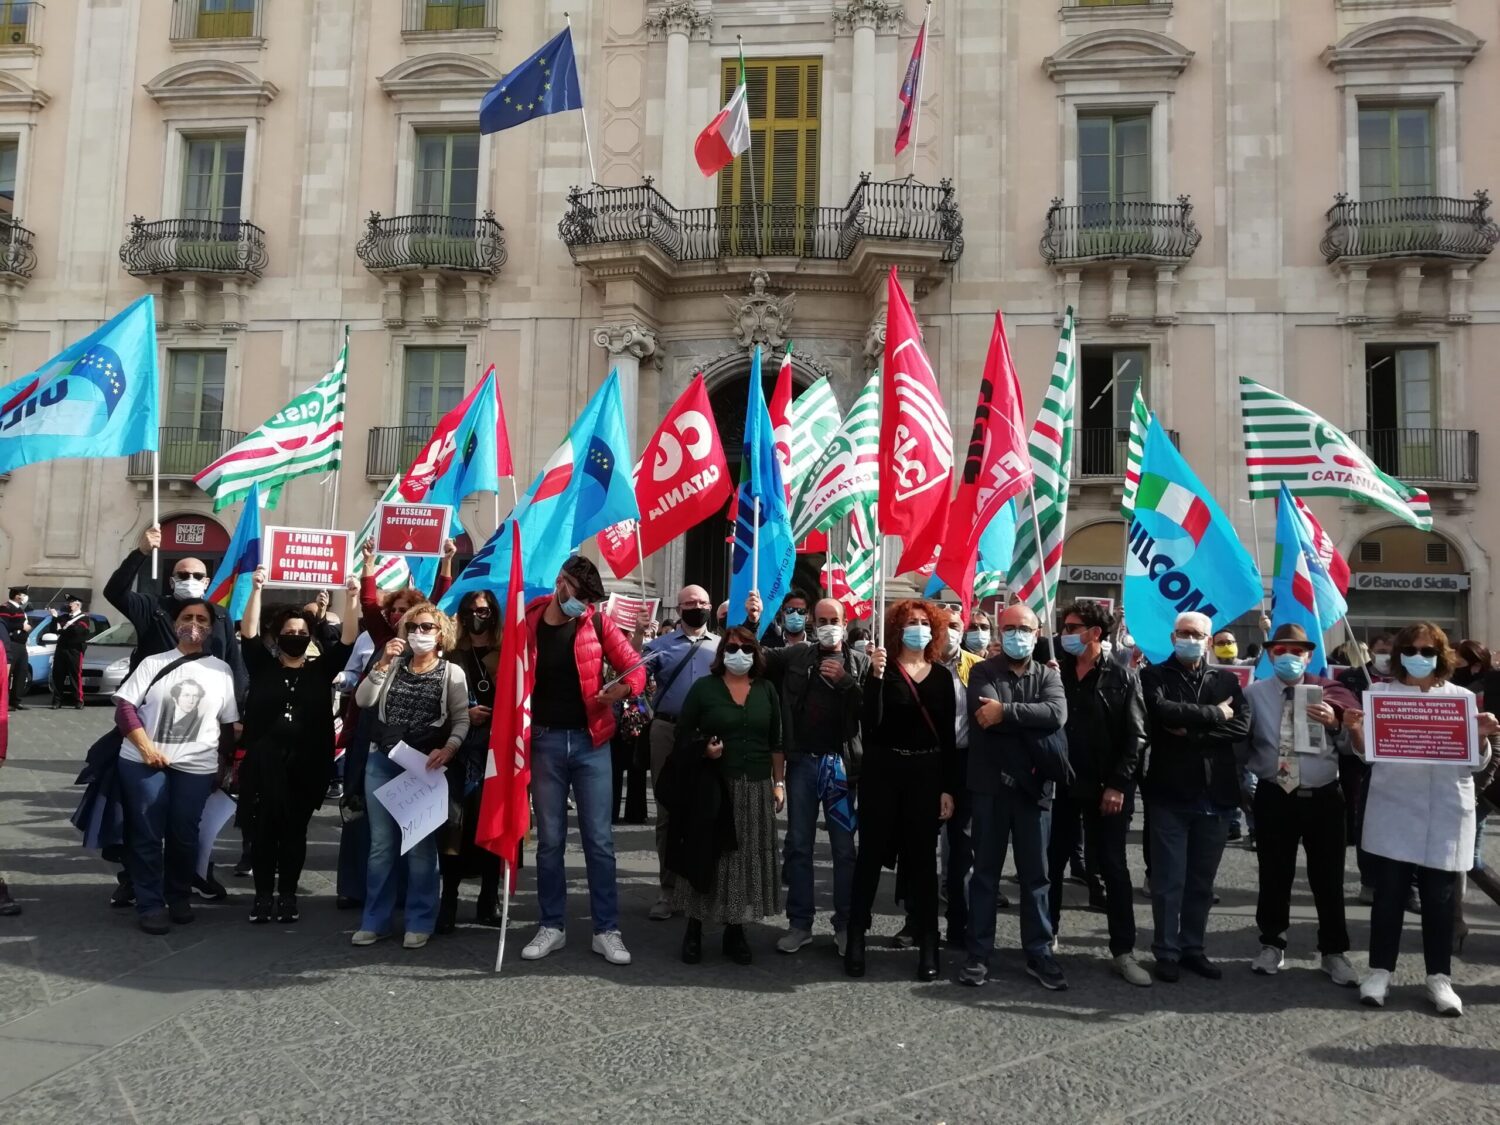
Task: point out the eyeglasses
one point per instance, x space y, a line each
188 577
1423 650
734 646
422 627
1017 629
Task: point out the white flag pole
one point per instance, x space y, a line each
588 144
504 912
760 245
1041 562
754 552
916 124
640 557
156 505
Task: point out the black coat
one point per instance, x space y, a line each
792 671
1192 743
700 814
1106 729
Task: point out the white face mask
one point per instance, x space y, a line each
186 589
739 663
421 642
830 636
1382 662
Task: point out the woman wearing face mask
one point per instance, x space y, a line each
909 776
288 742
176 713
1419 822
382 612
977 635
478 654
732 717
422 699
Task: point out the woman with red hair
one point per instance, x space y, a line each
910 773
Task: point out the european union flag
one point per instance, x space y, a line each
545 83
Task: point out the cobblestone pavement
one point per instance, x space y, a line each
224 1022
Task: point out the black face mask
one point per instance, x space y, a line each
477 621
293 644
694 618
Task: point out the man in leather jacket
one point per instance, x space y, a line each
1106 732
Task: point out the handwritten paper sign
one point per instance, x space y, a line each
305 556
414 530
1425 729
417 798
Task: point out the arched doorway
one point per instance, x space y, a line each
1399 575
188 536
1093 563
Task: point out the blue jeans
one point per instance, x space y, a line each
561 759
1186 845
998 819
162 809
802 808
383 877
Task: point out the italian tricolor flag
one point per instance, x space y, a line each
727 135
1180 505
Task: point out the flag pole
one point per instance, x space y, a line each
916 124
583 109
754 551
1041 562
760 245
156 505
504 912
1364 666
640 556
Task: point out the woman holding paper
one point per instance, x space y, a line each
288 740
1419 824
419 698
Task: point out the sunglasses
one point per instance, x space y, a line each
1288 650
1414 650
187 577
1075 627
422 627
734 646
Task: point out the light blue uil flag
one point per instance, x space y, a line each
95 398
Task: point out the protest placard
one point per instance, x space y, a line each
414 530
628 611
417 798
305 556
1425 729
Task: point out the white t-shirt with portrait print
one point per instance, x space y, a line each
183 710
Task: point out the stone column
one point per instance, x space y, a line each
678 20
627 345
863 17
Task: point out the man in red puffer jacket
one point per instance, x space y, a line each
572 721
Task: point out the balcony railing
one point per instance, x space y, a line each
450 15
899 210
1101 232
17 257
1410 226
392 449
19 22
1103 454
1423 456
185 451
234 19
445 242
189 246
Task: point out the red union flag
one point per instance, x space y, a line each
504 808
997 466
780 409
915 436
681 480
1333 561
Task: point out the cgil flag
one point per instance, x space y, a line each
504 805
1286 443
728 134
1302 593
1140 422
545 83
1042 515
911 88
582 489
98 397
764 550
845 480
305 436
231 584
1181 553
681 480
997 467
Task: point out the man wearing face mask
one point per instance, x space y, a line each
1012 701
13 621
977 635
821 686
1226 648
1298 800
677 661
790 626
1196 715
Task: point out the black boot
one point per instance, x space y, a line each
487 910
929 960
261 909
447 915
736 947
692 942
854 952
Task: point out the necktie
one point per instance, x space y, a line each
1288 776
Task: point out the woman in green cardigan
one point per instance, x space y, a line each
735 716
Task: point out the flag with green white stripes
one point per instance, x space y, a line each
845 480
815 419
1140 422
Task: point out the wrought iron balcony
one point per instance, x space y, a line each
433 242
1103 232
185 451
194 246
1424 456
1410 226
17 257
1103 454
901 210
392 449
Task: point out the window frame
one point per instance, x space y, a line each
1114 157
413 123
174 356
217 176
175 154
1440 98
1157 106
437 351
449 134
1392 110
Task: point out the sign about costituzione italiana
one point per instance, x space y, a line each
1426 729
305 556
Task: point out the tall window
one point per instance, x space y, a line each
1108 378
1114 158
14 17
195 395
450 15
434 385
9 151
785 97
213 178
1395 152
447 174
226 19
1401 407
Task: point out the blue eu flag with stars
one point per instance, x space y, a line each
545 83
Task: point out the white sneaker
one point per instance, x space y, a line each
547 940
611 946
1268 961
365 937
840 940
1126 968
1444 999
414 940
1337 966
661 910
1373 988
793 940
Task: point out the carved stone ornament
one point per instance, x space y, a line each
883 15
626 339
678 17
875 339
760 318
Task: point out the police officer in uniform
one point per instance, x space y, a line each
13 621
72 629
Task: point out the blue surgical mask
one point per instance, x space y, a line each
1073 644
1419 667
739 663
795 622
1190 650
1289 668
977 640
1018 644
573 607
916 637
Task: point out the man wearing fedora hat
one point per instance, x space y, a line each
1298 801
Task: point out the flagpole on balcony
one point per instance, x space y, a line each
583 109
760 242
916 124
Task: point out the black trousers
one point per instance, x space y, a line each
20 674
1313 818
67 676
1103 838
898 816
278 848
960 856
1392 887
